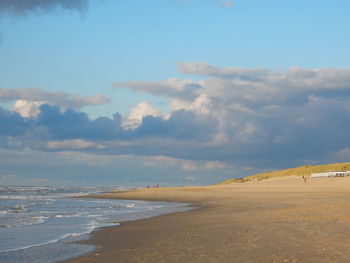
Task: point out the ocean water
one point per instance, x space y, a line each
39 224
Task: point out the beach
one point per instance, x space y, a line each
274 220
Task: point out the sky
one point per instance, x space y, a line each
170 92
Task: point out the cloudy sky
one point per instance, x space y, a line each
175 92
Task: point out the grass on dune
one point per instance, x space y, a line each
305 170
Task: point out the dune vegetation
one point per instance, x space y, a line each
305 170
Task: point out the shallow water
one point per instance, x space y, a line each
38 224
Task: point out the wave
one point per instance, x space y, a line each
87 230
48 214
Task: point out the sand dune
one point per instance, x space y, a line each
305 170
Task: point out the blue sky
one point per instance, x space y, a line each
172 92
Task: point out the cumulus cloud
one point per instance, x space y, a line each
144 109
57 130
201 105
28 100
27 108
181 125
262 113
71 124
12 124
232 116
134 119
243 86
24 7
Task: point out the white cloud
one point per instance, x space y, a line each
7 179
186 165
28 100
183 164
190 166
241 108
163 161
27 108
200 105
138 112
234 114
7 176
342 154
74 144
173 87
88 159
202 68
242 99
247 132
78 102
215 165
191 178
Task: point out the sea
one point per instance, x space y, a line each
40 224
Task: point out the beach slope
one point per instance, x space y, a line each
276 220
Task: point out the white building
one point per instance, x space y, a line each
331 174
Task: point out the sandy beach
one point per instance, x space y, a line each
269 221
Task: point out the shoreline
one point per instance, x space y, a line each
277 220
100 238
58 237
103 237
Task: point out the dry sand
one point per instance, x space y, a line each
276 220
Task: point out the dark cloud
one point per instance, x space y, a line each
24 7
12 123
255 118
77 125
265 117
182 125
286 137
53 124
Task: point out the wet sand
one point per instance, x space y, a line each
275 220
